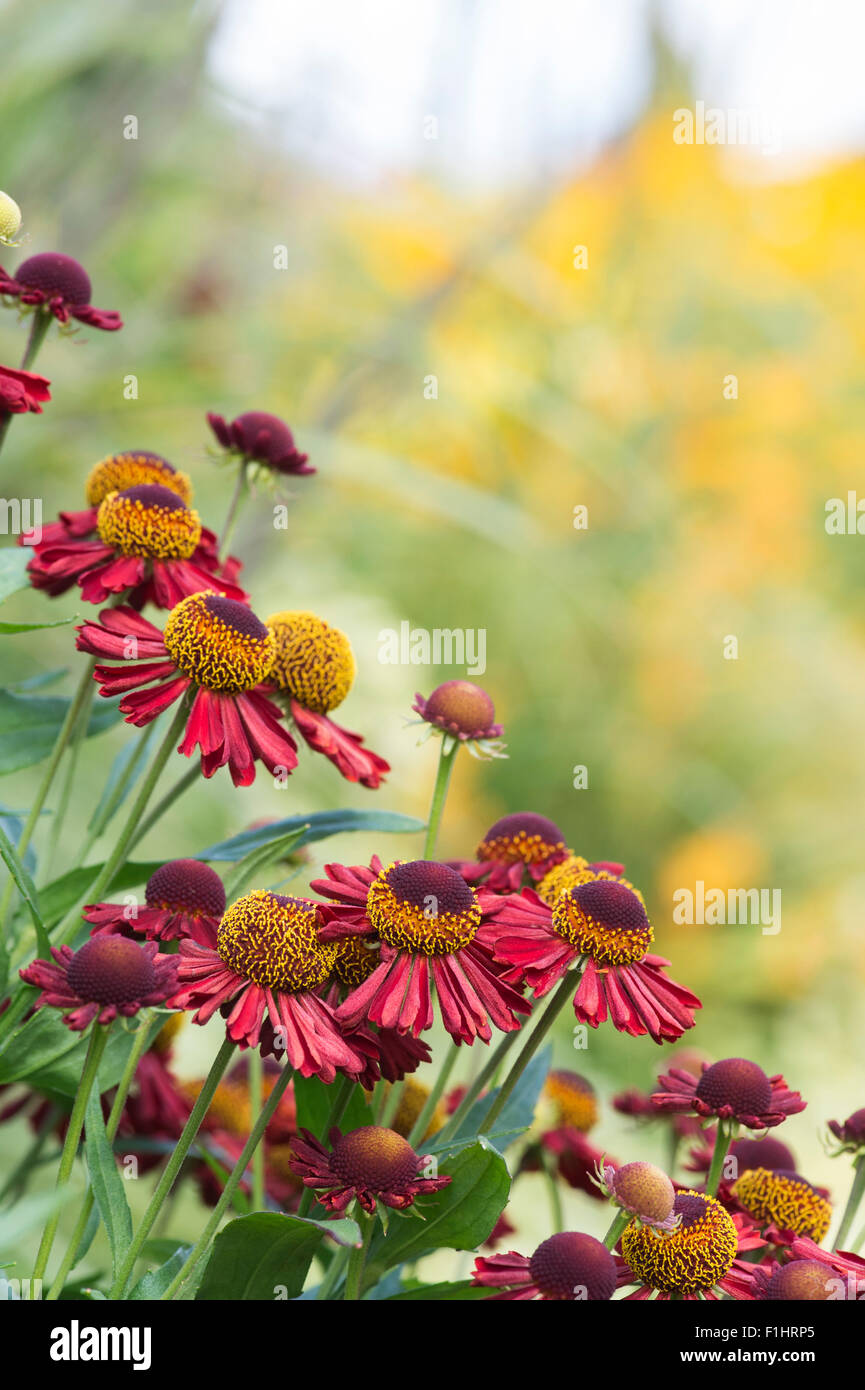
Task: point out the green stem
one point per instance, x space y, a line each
421 1124
555 1193
392 1103
100 884
95 1049
856 1193
439 796
620 1221
331 1278
256 1098
558 1001
253 1145
100 818
111 1125
38 328
337 1110
75 744
172 1168
357 1258
192 774
234 509
478 1086
76 705
716 1169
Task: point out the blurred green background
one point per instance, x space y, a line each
557 387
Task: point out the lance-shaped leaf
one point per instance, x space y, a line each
267 1256
320 825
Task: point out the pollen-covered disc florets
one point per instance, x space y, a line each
218 642
605 919
569 873
356 959
188 886
696 1255
313 662
786 1200
111 970
374 1158
802 1281
131 468
572 1266
575 1099
423 907
149 520
523 838
738 1084
273 941
644 1190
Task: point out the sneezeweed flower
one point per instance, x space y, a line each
22 391
178 897
313 670
517 850
850 1135
370 1165
461 712
263 966
567 1268
148 546
642 1190
116 473
570 872
733 1089
426 919
603 921
60 286
10 220
784 1203
698 1258
108 976
216 651
260 439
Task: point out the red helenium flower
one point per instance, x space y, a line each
218 650
368 1165
60 285
568 1267
261 438
179 896
106 977
733 1089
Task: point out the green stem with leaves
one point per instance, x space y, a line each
95 1049
357 1258
173 1166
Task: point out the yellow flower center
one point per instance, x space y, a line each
313 662
218 642
274 942
121 471
574 1098
698 1253
423 907
786 1200
149 520
570 873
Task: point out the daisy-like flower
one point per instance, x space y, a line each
426 920
178 897
106 977
699 1257
262 969
461 712
850 1135
313 670
517 849
146 545
784 1204
570 872
733 1089
394 1055
216 649
567 1268
22 391
369 1164
116 473
603 920
262 439
60 286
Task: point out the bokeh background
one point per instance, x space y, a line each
430 176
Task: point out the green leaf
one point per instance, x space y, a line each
440 1293
247 868
517 1114
267 1256
29 725
50 1057
56 898
26 1215
35 627
13 570
460 1217
317 826
152 1285
27 889
105 1180
315 1099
